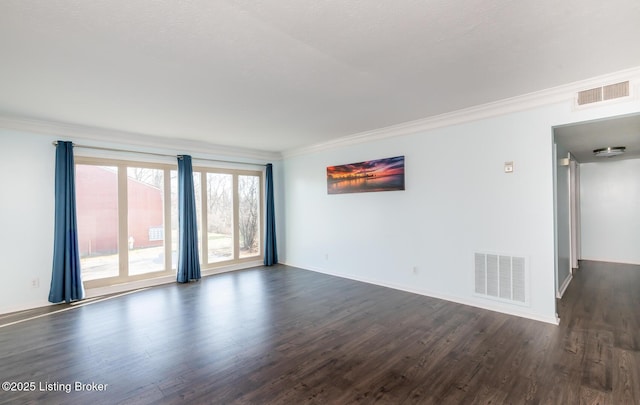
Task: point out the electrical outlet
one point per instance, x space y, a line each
35 282
415 269
326 256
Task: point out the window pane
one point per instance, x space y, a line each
219 217
197 190
97 211
249 215
174 219
145 193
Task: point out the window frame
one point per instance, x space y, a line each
123 216
204 241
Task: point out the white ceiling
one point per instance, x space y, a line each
283 74
582 139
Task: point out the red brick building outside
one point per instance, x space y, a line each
97 211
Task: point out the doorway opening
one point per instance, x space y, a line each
595 217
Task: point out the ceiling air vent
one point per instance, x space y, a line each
598 94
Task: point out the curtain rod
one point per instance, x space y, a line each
55 143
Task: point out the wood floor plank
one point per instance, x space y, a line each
283 335
598 362
626 376
590 396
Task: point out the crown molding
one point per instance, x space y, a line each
563 93
182 146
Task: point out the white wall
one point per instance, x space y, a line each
458 201
610 211
26 214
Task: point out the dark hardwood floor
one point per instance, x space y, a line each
288 336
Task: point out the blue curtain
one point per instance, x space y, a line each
66 280
188 260
270 248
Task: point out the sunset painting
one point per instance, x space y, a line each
372 175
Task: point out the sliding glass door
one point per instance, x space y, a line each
128 218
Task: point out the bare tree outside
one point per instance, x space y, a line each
248 188
197 193
219 216
219 202
174 219
152 177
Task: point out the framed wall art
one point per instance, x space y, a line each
373 175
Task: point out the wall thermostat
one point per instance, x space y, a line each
508 167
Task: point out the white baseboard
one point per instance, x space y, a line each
564 286
433 294
25 307
587 259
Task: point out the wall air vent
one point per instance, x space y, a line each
615 91
501 277
590 96
603 93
